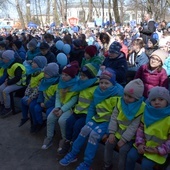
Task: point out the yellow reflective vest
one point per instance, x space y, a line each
85 98
67 97
123 122
1 72
35 80
156 134
104 110
48 93
11 72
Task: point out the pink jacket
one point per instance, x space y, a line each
151 79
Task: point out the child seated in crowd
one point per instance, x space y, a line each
31 92
152 142
46 97
16 79
86 87
152 74
124 122
138 56
91 56
64 102
117 61
98 116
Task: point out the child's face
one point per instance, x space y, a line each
165 48
104 84
83 76
5 60
34 65
150 45
44 51
128 98
154 61
65 77
87 56
135 47
113 55
159 103
46 76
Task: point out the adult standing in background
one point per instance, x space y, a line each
147 28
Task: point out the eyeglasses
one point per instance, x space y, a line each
155 59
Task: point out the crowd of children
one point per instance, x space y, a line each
93 91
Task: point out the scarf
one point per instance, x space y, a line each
30 70
1 64
65 84
99 95
83 84
130 109
47 82
6 65
152 114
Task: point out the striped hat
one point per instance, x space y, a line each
90 70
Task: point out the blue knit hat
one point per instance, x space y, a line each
52 69
8 54
41 61
109 74
115 47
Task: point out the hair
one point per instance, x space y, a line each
138 42
121 36
67 39
159 68
104 36
83 37
47 35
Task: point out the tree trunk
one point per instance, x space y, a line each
83 18
28 13
90 10
48 12
97 12
21 18
116 11
41 18
110 15
121 11
55 14
102 11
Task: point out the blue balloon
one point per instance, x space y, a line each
62 59
59 45
66 48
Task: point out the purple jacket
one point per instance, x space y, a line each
151 79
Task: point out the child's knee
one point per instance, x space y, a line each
94 137
85 131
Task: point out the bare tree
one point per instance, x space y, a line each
28 13
48 2
55 14
90 10
20 13
97 12
40 12
83 12
109 10
116 11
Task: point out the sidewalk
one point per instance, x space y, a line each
20 150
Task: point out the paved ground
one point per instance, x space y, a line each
20 150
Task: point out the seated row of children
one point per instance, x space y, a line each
91 107
88 106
